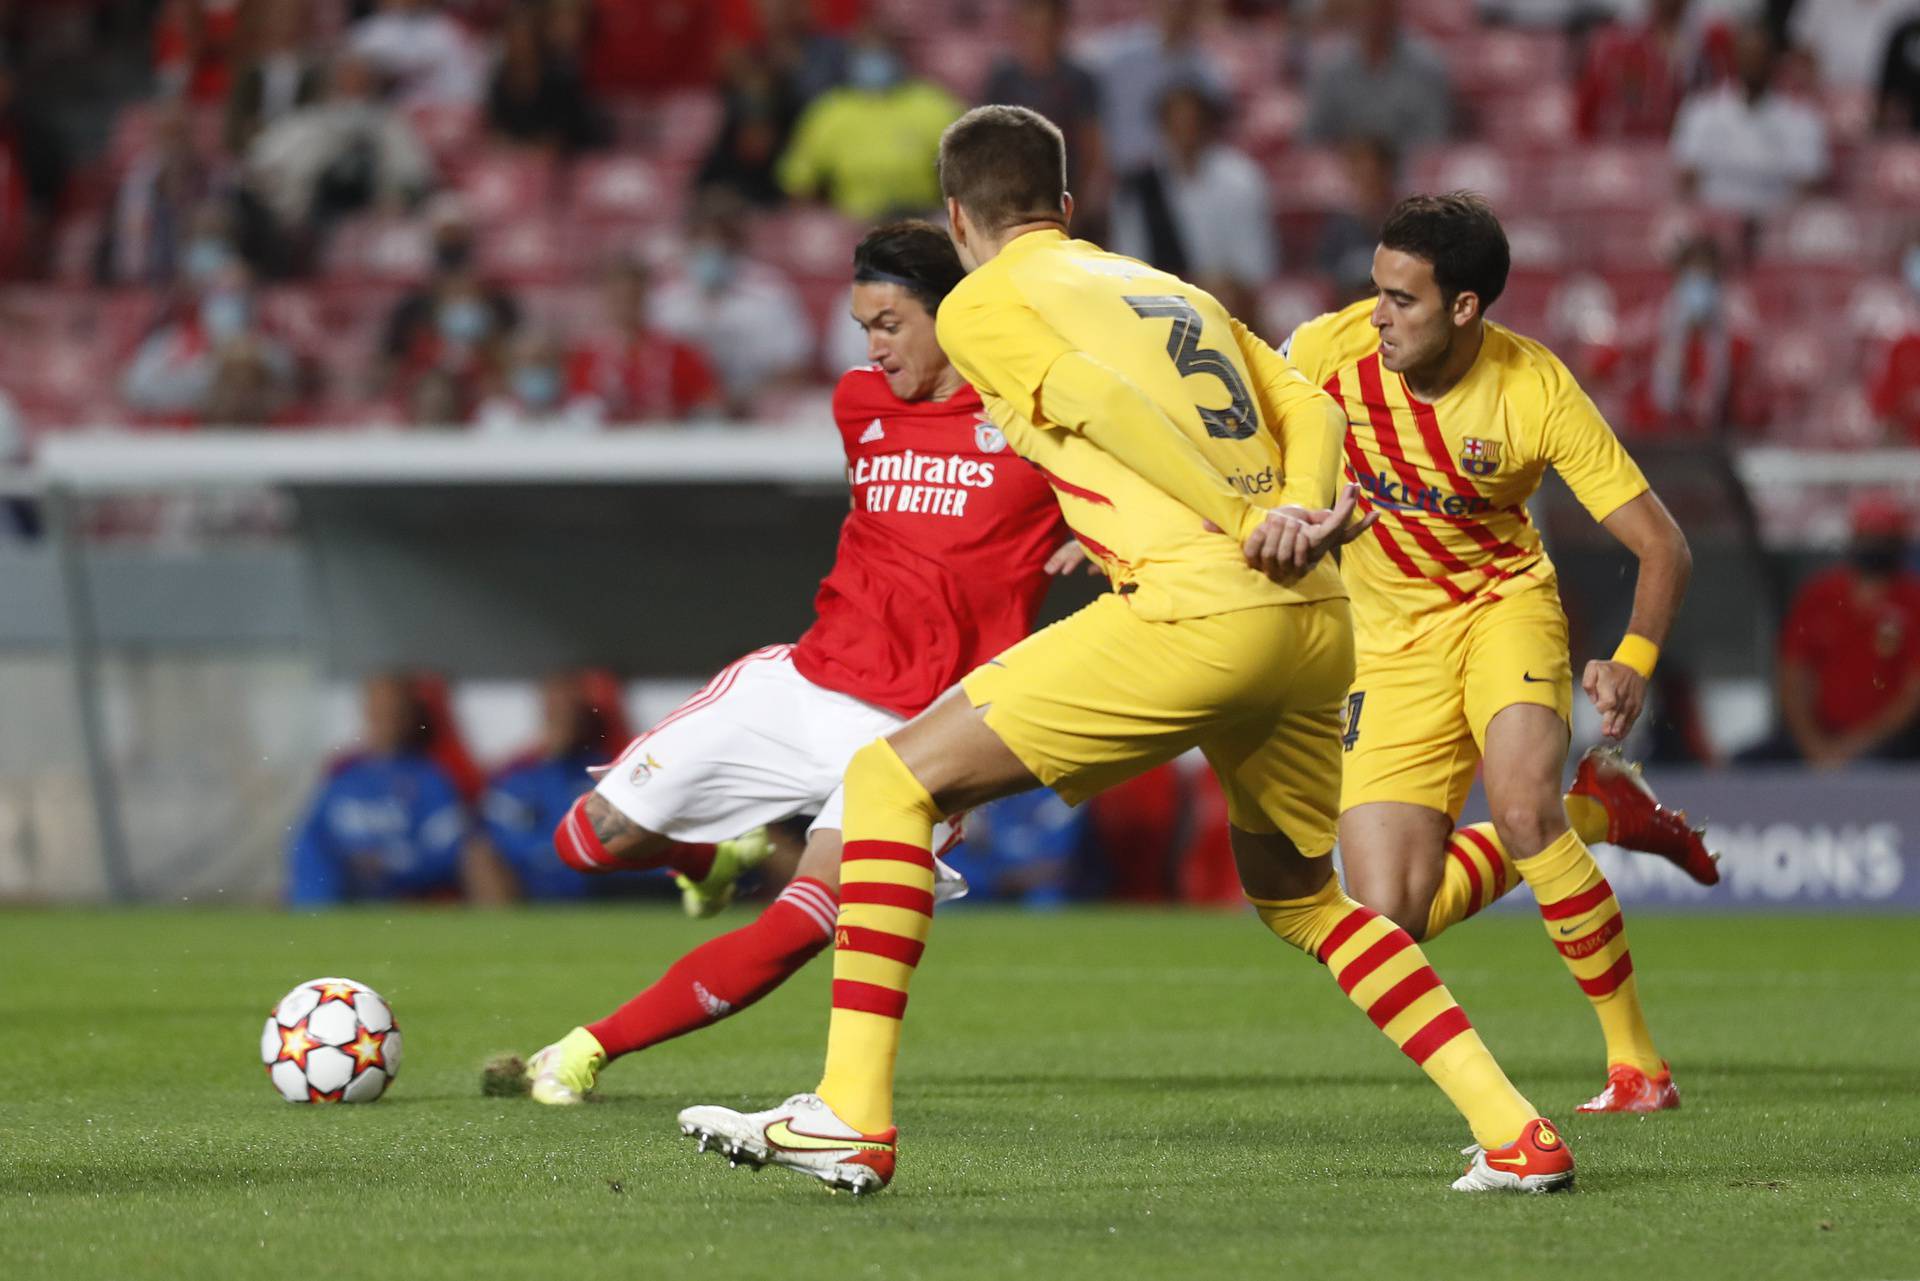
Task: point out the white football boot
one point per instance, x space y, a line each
802 1134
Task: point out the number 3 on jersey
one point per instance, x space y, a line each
1238 420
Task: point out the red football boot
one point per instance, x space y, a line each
1636 819
1537 1161
1631 1090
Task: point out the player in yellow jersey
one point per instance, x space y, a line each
1160 424
1462 641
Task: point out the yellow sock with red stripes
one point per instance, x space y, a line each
1477 871
1583 919
886 908
1383 971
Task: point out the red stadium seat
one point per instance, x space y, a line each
1537 244
1270 120
506 184
1287 302
1826 232
534 250
1471 167
685 125
1537 116
808 243
448 131
1484 62
621 188
1617 177
379 248
957 60
1312 180
1888 174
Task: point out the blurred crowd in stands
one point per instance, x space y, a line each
407 813
559 215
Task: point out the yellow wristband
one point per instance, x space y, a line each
1639 653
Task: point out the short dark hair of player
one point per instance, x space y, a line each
915 255
1005 165
1457 233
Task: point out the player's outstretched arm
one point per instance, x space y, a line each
1618 686
1306 423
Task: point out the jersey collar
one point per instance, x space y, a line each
1029 241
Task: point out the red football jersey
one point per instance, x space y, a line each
942 562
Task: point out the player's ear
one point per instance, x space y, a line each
1466 308
1066 207
956 223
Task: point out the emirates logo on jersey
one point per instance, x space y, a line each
988 437
1479 457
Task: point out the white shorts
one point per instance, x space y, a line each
760 743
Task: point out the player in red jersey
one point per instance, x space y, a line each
942 564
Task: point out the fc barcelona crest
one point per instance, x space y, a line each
1479 457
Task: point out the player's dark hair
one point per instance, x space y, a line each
917 256
1005 165
1459 235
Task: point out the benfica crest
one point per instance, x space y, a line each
987 436
1479 457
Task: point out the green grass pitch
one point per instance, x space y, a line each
1096 1093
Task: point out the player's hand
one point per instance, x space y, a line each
1068 557
1291 540
1617 693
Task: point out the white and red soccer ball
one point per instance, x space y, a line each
331 1041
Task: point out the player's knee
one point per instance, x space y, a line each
1399 902
1528 826
878 775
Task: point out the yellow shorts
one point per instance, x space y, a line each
1102 695
1416 721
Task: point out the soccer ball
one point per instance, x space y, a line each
331 1041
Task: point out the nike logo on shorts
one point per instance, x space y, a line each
1531 679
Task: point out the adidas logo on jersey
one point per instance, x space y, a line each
873 432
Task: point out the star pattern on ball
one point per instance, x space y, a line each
368 1050
295 1043
338 992
324 1096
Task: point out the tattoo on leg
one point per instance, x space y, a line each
612 827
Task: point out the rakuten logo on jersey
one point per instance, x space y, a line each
928 484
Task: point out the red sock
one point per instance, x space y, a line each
726 974
581 849
691 861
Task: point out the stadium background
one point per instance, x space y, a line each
254 459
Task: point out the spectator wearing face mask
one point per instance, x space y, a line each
1849 665
535 398
870 147
1893 388
744 316
212 360
1700 369
455 322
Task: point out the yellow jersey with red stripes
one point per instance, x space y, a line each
1045 296
1451 479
